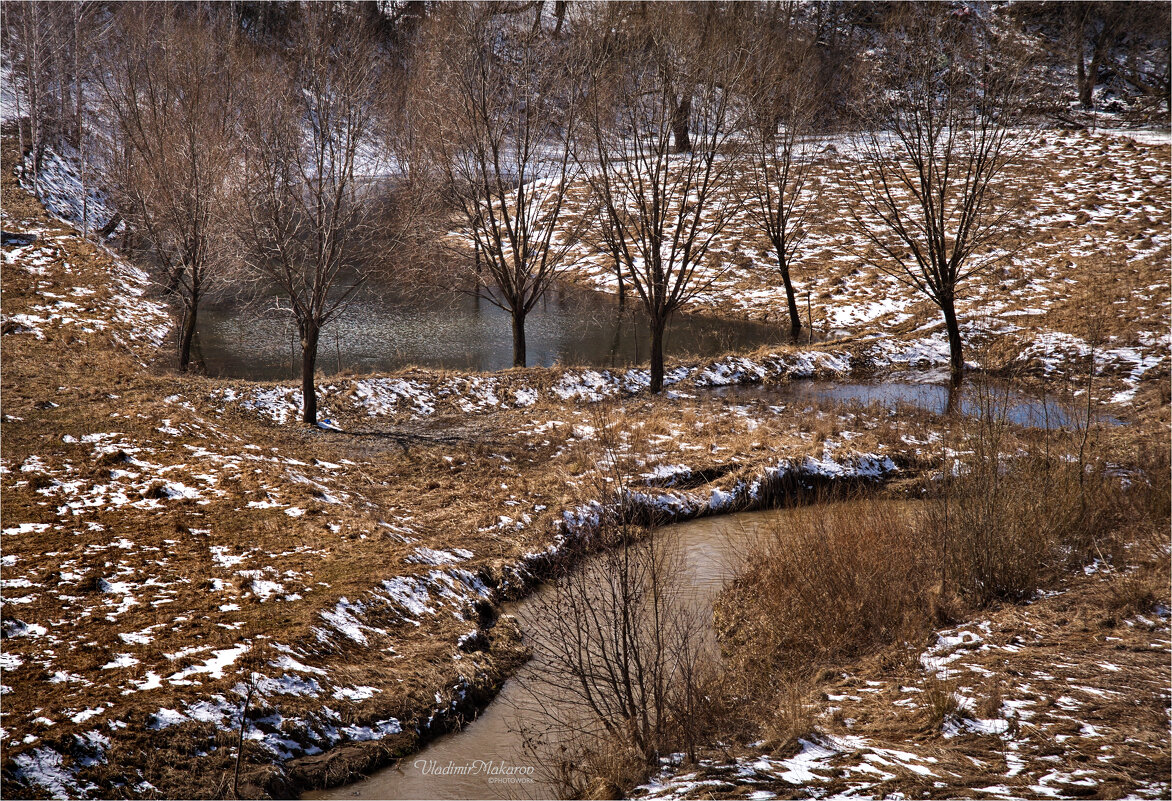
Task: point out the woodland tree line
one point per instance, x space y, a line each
294 145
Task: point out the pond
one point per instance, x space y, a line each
384 329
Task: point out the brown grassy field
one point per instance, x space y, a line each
164 545
170 539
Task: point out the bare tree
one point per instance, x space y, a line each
945 124
665 209
304 215
48 45
499 119
623 641
1110 38
30 39
170 86
1095 29
781 101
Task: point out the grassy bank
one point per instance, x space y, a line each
845 663
171 540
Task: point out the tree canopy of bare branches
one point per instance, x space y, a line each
781 92
499 117
49 47
944 125
664 209
170 86
303 215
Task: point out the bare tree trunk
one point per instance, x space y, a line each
19 115
953 404
657 327
1086 94
240 739
518 339
85 195
795 319
681 117
59 67
559 13
309 335
188 333
174 280
32 55
109 227
955 345
1084 91
78 12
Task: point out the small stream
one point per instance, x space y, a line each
1004 400
709 548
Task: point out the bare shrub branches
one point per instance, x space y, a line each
623 646
1012 511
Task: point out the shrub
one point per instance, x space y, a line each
841 578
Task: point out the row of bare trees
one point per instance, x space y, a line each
668 108
49 49
645 134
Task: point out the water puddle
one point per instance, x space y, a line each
1004 400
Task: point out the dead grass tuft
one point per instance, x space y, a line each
791 722
941 703
846 577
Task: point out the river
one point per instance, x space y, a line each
709 549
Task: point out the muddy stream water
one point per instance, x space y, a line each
709 550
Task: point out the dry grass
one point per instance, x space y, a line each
940 702
791 721
858 585
843 579
447 490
